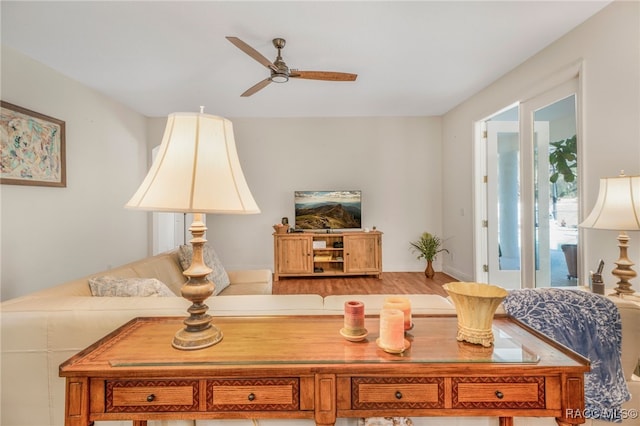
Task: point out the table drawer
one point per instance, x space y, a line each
498 392
268 394
133 396
368 393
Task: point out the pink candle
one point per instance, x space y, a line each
354 317
392 329
401 303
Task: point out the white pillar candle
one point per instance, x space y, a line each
401 303
392 329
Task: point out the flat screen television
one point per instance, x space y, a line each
317 210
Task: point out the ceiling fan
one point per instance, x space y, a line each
280 73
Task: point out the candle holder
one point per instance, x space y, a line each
406 345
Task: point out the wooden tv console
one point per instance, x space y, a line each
307 254
300 367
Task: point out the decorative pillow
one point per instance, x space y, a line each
128 287
218 276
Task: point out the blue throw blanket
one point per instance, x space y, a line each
588 324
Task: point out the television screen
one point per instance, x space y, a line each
328 209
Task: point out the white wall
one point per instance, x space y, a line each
609 47
394 161
51 235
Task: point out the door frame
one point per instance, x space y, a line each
573 71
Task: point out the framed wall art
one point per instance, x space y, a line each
32 147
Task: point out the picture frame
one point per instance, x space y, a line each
33 150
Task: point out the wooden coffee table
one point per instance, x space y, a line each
300 367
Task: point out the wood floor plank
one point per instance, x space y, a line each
390 283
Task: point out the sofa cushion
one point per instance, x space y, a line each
246 289
218 275
266 304
164 266
128 287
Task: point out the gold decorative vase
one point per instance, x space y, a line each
475 303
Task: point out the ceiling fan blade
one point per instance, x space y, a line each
252 52
258 86
323 75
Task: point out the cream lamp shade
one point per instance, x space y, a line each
197 170
618 208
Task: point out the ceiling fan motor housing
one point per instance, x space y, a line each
282 73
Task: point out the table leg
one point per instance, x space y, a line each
76 411
139 423
325 410
506 421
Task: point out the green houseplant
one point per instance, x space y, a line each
563 158
427 247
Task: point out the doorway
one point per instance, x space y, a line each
530 192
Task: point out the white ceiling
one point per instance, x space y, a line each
412 58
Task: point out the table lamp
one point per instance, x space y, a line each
618 208
196 171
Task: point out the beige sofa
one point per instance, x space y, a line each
41 330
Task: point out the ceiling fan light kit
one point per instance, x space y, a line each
279 78
279 70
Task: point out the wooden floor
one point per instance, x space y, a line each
391 283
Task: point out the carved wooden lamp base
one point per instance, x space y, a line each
199 331
623 269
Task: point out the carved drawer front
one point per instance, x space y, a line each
498 392
369 393
133 396
268 394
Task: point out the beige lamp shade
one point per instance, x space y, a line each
196 170
617 206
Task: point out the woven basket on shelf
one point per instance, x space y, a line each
281 229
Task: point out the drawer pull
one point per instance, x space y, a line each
151 398
398 395
251 397
499 394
